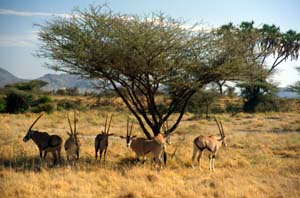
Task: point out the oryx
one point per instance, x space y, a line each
72 144
211 143
101 140
142 146
45 142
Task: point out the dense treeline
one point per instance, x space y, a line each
28 97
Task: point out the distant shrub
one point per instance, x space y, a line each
267 105
201 102
233 108
46 107
216 109
42 100
2 106
17 102
67 105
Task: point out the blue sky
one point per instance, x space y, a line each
18 40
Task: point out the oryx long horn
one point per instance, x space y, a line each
109 124
222 128
35 121
127 128
219 127
70 124
131 127
105 124
75 122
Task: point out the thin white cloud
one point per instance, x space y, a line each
31 14
25 40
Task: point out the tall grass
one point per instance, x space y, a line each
258 162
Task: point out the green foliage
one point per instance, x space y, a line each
43 107
68 105
233 108
257 94
43 103
2 106
139 56
201 102
17 102
42 100
31 86
267 47
24 96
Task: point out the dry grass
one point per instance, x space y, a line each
262 160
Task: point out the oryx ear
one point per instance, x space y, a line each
110 134
133 136
69 133
121 136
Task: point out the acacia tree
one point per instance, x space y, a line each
138 57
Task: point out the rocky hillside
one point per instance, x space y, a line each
8 78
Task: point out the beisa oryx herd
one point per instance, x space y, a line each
141 146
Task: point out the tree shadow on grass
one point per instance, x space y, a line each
34 164
127 162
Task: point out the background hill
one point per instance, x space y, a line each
8 78
55 81
64 81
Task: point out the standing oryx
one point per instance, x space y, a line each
101 140
142 146
72 144
211 143
45 142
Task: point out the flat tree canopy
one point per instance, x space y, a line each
140 57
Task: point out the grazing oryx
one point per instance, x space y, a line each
211 143
72 144
142 146
101 140
45 142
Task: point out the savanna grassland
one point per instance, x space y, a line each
262 159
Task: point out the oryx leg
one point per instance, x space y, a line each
77 153
54 156
199 158
41 153
211 161
195 150
58 153
101 151
96 155
158 161
96 149
105 154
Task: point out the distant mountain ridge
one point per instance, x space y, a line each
8 78
284 92
55 81
64 81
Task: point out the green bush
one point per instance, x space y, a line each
67 105
234 108
2 106
17 102
42 100
46 107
